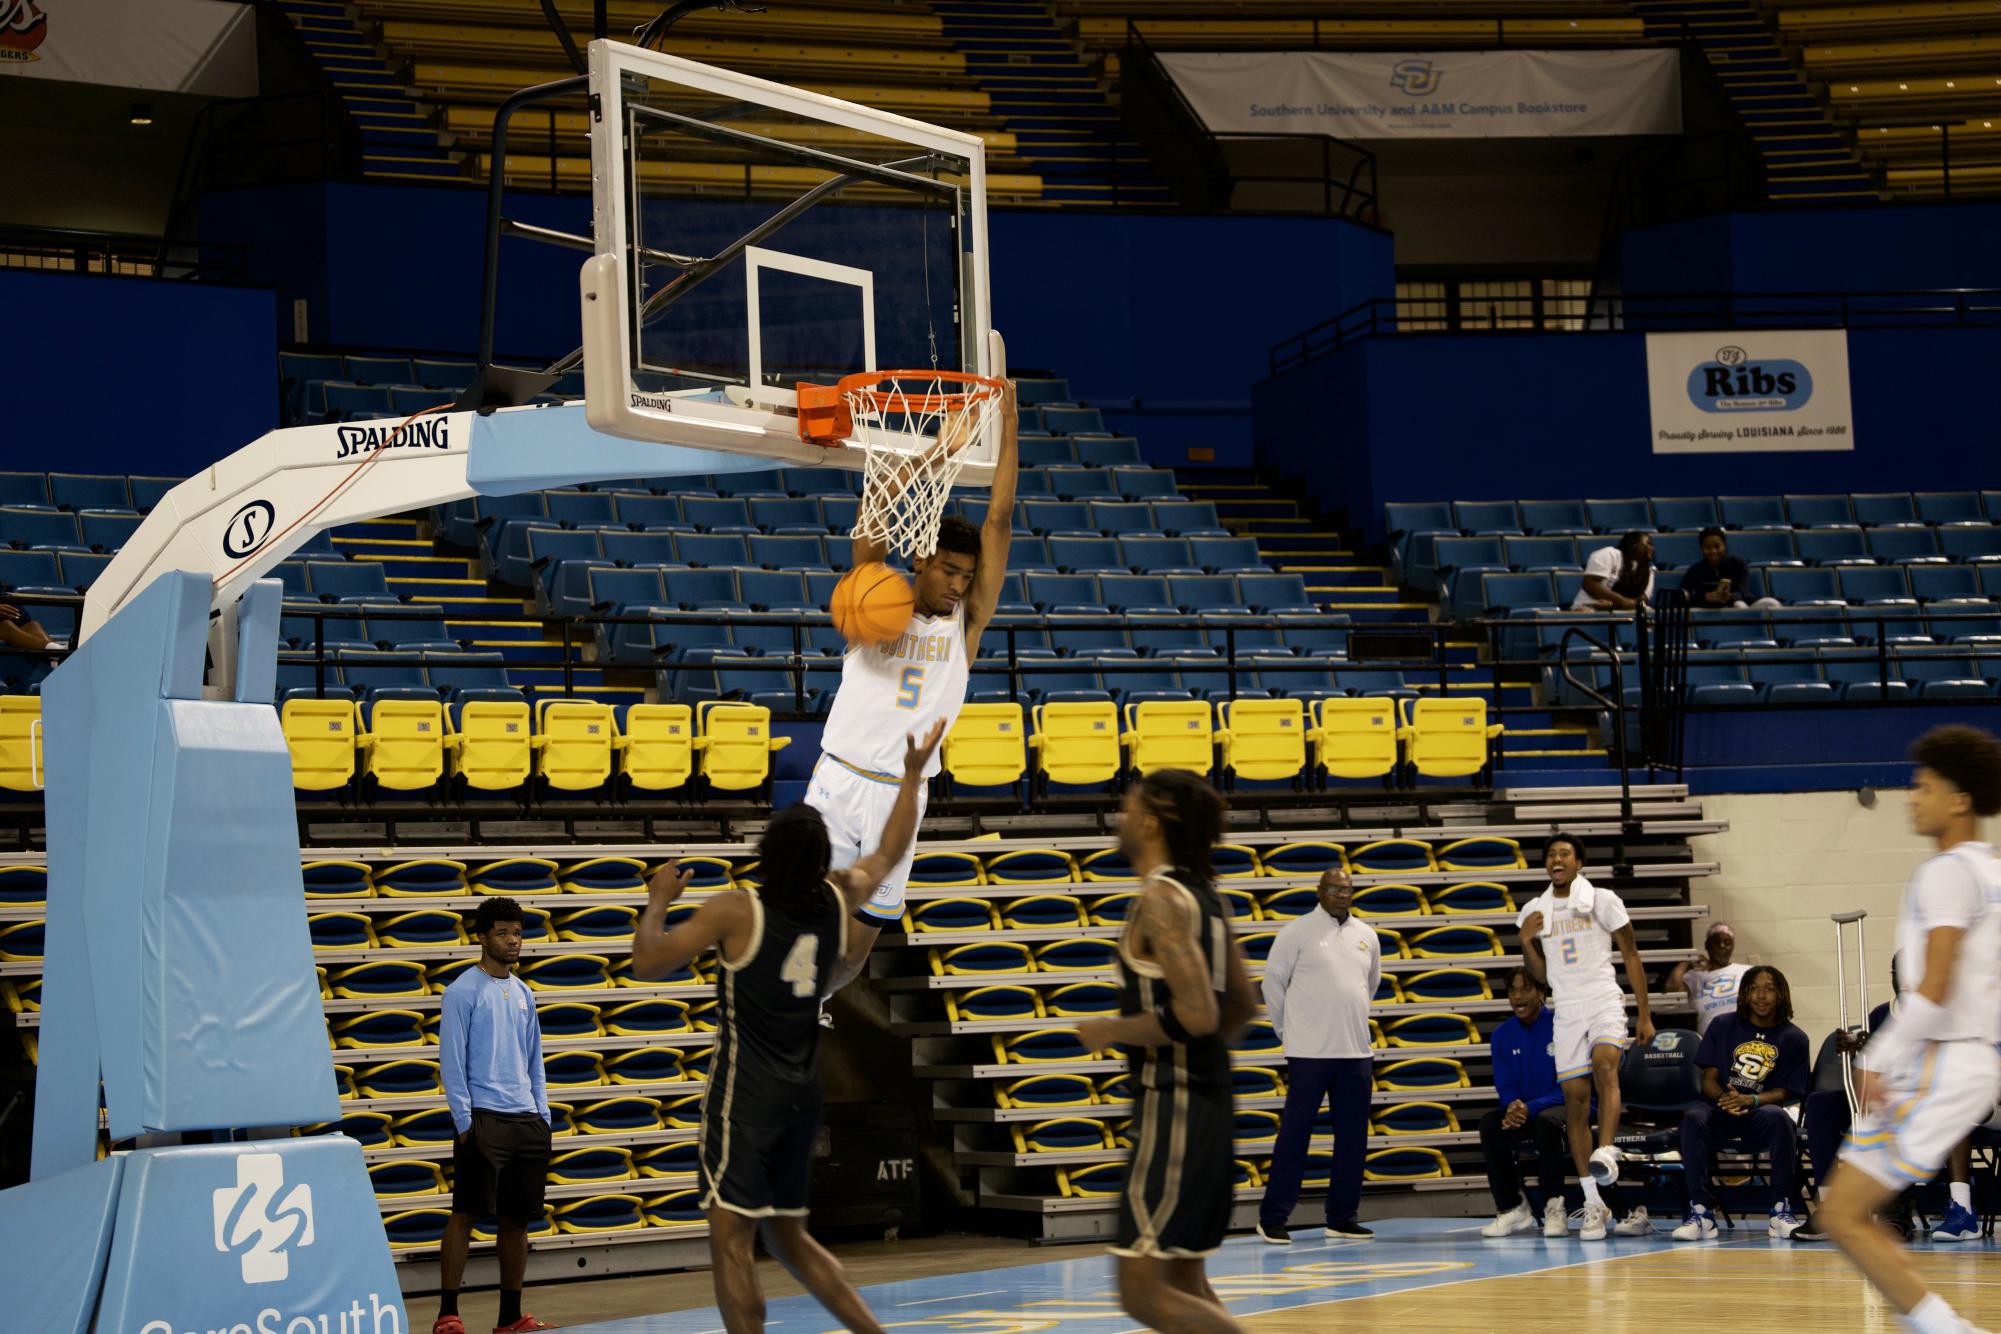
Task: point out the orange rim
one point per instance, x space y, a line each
895 400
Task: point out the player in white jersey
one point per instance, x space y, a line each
1568 935
894 689
1930 1074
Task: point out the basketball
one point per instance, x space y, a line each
872 604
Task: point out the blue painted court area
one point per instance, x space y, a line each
1250 1276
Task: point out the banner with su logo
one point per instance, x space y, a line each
1749 391
172 46
23 27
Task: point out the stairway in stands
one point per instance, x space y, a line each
1046 96
398 135
1806 157
430 572
1341 580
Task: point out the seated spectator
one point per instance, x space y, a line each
1710 979
1618 578
20 631
1531 1110
1719 579
1752 1062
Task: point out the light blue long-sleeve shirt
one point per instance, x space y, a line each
490 1048
1319 979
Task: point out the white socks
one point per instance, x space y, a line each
1962 1194
1933 1316
1591 1195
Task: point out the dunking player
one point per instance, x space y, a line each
1568 934
1930 1074
907 684
779 948
1183 994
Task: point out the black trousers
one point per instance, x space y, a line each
1552 1151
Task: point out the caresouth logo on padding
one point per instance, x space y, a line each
258 1224
1734 381
23 27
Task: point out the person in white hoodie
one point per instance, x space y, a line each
1569 932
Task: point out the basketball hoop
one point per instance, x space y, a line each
913 427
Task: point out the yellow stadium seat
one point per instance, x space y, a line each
736 744
954 914
1455 942
656 746
1394 856
1388 991
1473 896
1392 944
604 875
404 747
600 1213
1432 1030
1098 1181
1061 1134
1389 901
1447 737
1448 985
427 928
986 956
1414 1163
21 744
1043 1044
1076 742
1414 1118
993 1003
1257 1128
1488 852
21 941
318 732
986 746
572 743
379 978
1355 738
946 870
1420 1074
427 877
1240 904
1042 910
490 744
1111 910
341 931
1262 739
1047 1091
1169 734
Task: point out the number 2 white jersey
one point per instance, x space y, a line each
1959 888
1577 944
898 688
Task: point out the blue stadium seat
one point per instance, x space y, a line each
81 491
1880 508
1080 483
1725 693
24 527
800 515
647 548
1904 544
1940 583
81 568
1508 592
1032 392
1043 451
1971 543
1085 555
556 558
1750 512
1833 546
1949 507
1030 555
1859 677
788 551
1073 421
407 400
1120 518
371 669
1198 591
380 370
1697 512
712 549
1227 555
581 509
337 579
298 370
1273 592
819 481
1541 553
1145 483
1554 517
24 488
646 511
1169 555
452 375
1050 591
1868 584
1188 518
416 627
772 588
355 402
21 568
1498 518
1824 511
1116 451
1619 516
1731 629
748 482
1055 516
726 514
466 671
150 491
1677 551
1763 546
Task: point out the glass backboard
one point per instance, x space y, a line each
751 236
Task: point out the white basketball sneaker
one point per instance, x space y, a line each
1517 1219
1635 1224
1605 1166
1555 1219
1597 1219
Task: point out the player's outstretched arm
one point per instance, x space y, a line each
997 532
724 919
1636 974
1532 958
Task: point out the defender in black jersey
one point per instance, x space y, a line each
778 949
1184 993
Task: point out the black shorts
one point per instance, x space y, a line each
759 1168
1181 1180
502 1167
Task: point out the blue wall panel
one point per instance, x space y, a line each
128 375
1846 249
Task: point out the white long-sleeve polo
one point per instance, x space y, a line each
1319 979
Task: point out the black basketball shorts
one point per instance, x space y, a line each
502 1167
1181 1181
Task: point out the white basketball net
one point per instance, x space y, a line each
915 433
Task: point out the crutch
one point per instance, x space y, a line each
1841 920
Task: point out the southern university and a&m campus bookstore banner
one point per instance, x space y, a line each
1437 95
1749 392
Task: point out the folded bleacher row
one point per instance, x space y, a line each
1002 948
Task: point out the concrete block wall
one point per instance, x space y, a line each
1790 859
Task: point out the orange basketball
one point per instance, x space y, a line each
872 603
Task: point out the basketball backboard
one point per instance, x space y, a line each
750 236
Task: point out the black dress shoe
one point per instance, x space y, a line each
1349 1231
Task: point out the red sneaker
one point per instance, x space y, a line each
526 1322
448 1324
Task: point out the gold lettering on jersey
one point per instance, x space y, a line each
1566 924
920 648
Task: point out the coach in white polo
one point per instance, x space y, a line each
1319 979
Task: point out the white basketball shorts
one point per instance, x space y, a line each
1581 1027
855 806
1936 1097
